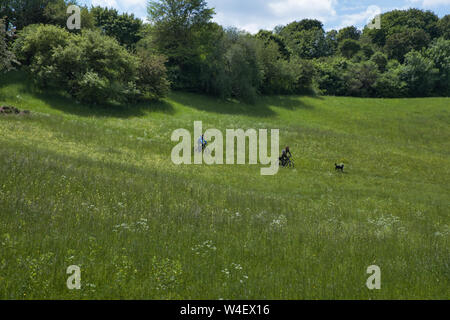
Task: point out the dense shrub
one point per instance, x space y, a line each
348 33
244 68
419 74
233 68
330 76
390 83
283 76
92 67
444 27
7 57
439 53
124 28
361 78
152 79
306 39
348 48
36 44
381 60
400 43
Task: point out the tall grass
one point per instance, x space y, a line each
95 187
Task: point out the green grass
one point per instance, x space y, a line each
95 187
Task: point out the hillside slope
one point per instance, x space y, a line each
95 187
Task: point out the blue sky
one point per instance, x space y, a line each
252 15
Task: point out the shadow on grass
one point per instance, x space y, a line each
66 104
261 108
59 100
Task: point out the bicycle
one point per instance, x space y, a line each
289 163
202 148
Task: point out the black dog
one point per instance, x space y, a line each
341 167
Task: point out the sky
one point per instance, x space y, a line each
253 15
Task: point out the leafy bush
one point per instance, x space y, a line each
439 53
92 88
444 27
306 39
381 60
329 76
400 43
7 57
124 28
348 48
280 76
419 74
36 45
152 79
390 83
244 68
348 33
92 67
361 78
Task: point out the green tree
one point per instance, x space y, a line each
444 26
390 83
332 41
348 48
306 39
400 43
381 60
21 13
419 73
244 66
397 21
282 76
361 79
92 67
348 33
55 12
7 57
152 76
269 37
181 33
125 28
439 53
296 26
329 75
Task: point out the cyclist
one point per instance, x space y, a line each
202 143
285 156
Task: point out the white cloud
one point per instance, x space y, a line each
268 14
303 8
105 3
138 7
360 18
137 3
435 3
429 3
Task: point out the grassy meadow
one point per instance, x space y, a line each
95 187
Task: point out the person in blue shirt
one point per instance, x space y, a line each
202 143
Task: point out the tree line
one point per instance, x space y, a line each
118 57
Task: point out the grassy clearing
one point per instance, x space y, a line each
95 187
